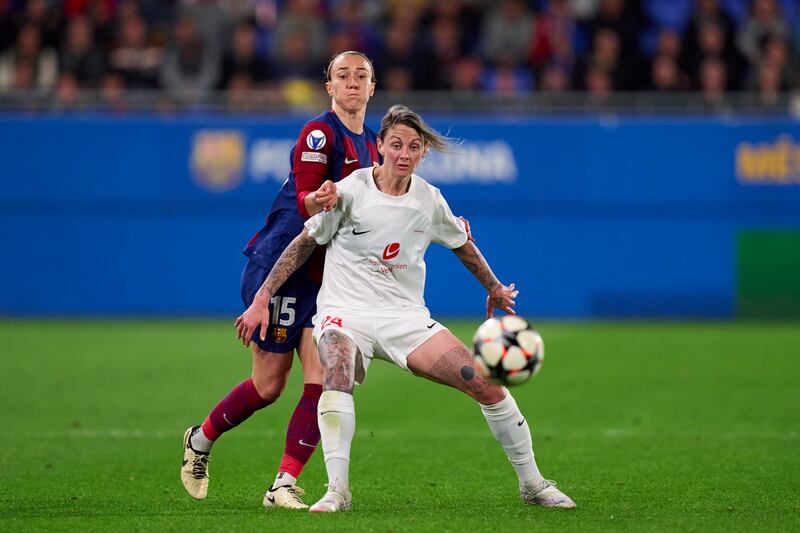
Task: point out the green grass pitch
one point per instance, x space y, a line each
649 427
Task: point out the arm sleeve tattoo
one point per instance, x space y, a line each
298 251
475 263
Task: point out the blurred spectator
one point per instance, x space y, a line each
191 68
507 33
100 14
712 45
112 91
507 79
625 20
467 74
555 79
444 52
79 56
136 61
28 65
713 82
297 61
665 75
397 78
599 85
300 19
764 21
38 13
555 28
212 21
770 83
606 55
399 51
584 9
242 60
67 90
706 11
466 17
348 18
669 43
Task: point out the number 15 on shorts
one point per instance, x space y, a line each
283 310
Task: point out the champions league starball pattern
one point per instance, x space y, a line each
508 351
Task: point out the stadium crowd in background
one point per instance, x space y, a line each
276 49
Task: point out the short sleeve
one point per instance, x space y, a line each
323 226
448 230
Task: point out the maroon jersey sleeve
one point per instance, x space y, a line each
312 160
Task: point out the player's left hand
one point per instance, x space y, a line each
326 196
256 315
501 297
466 227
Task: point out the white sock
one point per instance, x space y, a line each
199 442
511 430
337 425
284 479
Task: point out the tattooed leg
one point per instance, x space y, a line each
336 413
341 361
444 359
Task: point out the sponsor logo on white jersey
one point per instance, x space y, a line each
316 140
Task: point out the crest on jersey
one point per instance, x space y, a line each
316 140
391 251
217 159
279 335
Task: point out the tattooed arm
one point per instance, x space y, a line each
500 296
257 314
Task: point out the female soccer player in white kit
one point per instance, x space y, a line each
371 303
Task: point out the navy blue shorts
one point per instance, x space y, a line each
290 310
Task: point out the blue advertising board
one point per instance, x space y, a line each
589 216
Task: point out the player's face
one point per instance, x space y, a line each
350 85
402 150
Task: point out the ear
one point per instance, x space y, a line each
380 147
329 88
372 89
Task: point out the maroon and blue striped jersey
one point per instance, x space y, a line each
325 150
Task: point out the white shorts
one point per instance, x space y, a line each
388 336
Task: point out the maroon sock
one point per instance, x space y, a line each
302 436
241 402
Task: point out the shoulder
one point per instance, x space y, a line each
425 189
356 181
317 133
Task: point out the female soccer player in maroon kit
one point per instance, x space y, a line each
329 147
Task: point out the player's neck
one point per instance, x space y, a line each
352 121
391 185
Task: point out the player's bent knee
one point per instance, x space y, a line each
269 388
491 395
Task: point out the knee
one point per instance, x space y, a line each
491 395
269 387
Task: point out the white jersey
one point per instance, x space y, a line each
377 243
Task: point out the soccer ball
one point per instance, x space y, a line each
508 351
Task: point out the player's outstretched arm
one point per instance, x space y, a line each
500 296
323 199
298 251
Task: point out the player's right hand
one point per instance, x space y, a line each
326 196
257 315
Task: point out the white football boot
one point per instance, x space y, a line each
547 496
287 496
335 500
194 470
